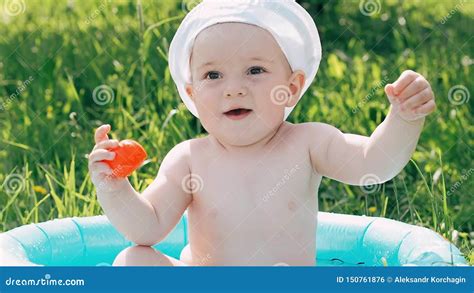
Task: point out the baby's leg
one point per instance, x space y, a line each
144 256
185 255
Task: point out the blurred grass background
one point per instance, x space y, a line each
54 54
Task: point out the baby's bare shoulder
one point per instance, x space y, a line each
317 137
183 149
314 131
179 159
186 149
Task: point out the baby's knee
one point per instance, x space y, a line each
139 256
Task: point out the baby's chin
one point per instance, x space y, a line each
242 132
241 136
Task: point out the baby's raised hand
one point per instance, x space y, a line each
411 96
101 174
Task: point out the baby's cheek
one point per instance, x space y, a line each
274 103
206 102
208 114
271 115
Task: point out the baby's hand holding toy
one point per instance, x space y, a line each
129 155
111 161
411 96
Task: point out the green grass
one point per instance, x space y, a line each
69 48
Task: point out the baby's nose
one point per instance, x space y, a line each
235 92
238 94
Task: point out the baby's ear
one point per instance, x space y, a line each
296 83
189 90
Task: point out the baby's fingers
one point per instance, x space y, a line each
389 88
403 81
101 154
100 168
106 144
426 108
101 133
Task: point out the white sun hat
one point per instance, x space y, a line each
289 23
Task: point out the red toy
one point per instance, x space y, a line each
129 155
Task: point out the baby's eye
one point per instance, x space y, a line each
257 70
212 74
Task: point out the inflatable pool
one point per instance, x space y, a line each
341 240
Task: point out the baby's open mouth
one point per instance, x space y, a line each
238 113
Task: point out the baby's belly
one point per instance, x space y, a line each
278 233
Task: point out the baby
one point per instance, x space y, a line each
251 185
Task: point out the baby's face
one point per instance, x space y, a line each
237 65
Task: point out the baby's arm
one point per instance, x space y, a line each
166 193
351 158
146 219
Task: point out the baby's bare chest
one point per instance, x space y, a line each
247 207
272 185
